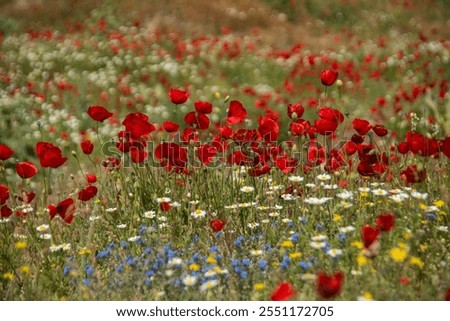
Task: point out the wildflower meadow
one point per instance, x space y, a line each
143 163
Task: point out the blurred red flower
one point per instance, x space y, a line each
26 169
87 193
236 113
4 194
5 152
362 126
98 113
170 126
217 225
204 107
385 222
284 291
87 147
328 77
137 125
49 155
178 96
328 286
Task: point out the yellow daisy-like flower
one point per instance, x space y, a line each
337 218
295 255
439 203
398 254
259 286
423 247
25 269
8 276
84 251
287 244
194 267
211 260
20 245
367 296
407 234
361 260
416 261
358 244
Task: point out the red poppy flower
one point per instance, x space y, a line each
174 153
197 120
412 174
236 113
111 163
5 211
421 145
403 148
203 107
137 125
269 129
4 194
331 114
164 206
299 127
284 291
206 153
445 147
87 147
5 152
350 148
178 96
286 164
328 286
217 225
170 126
225 132
98 113
65 209
91 178
405 280
26 169
325 126
447 295
385 222
49 155
138 155
295 111
369 235
27 197
328 77
362 126
380 130
87 193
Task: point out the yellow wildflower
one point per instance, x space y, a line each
439 203
85 251
287 244
358 244
337 218
259 286
211 260
8 276
295 255
362 260
21 245
25 269
414 260
194 267
398 254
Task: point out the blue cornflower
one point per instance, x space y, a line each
243 274
294 237
319 227
103 254
246 262
262 264
86 282
305 265
214 248
285 262
124 244
120 267
238 241
88 269
234 262
67 269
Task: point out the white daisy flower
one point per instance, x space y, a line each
45 236
111 209
150 214
209 285
198 213
442 228
317 245
345 195
163 200
317 201
347 229
42 228
121 226
419 196
189 280
364 189
323 177
379 192
334 253
252 225
256 252
296 179
247 189
319 237
134 239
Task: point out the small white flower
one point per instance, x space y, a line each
163 200
163 225
334 252
442 228
379 192
208 285
288 197
265 221
346 229
376 184
345 195
189 280
276 187
134 239
253 225
319 237
345 204
256 252
66 246
263 208
54 248
310 185
168 273
122 226
323 177
431 208
162 218
111 209
210 273
296 179
231 207
246 205
364 189
247 189
149 214
286 220
45 236
329 186
317 201
317 245
355 272
195 202
198 213
419 196
176 261
278 207
94 218
175 204
42 228
274 214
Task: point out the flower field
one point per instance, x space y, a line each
144 164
